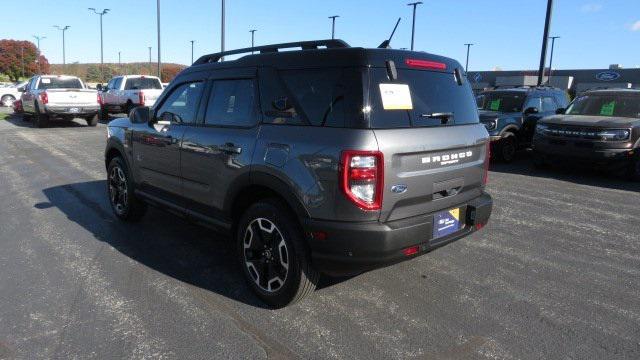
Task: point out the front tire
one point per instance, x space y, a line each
539 161
40 120
273 255
124 203
634 168
507 148
92 120
103 114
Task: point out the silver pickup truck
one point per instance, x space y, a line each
49 97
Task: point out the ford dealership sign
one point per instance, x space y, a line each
607 76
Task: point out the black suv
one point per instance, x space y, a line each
600 127
510 115
330 159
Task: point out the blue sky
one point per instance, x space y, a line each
507 33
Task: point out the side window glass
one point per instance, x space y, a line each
117 83
532 102
181 105
231 103
277 105
548 104
110 84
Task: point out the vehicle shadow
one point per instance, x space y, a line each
17 120
161 241
523 165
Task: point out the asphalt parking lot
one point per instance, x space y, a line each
556 274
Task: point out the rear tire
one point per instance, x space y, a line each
103 114
40 120
273 254
7 100
128 107
92 120
120 188
507 148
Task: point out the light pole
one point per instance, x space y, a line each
192 41
413 27
158 21
101 13
466 68
150 67
38 38
553 44
63 29
222 31
252 38
333 25
545 38
22 58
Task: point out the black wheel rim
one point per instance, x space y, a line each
266 255
118 190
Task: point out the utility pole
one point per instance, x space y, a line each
545 38
101 13
63 29
553 44
120 64
466 67
413 27
252 38
22 57
38 38
222 31
333 25
159 61
150 66
192 41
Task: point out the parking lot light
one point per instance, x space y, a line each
101 13
333 25
466 67
63 29
553 44
38 38
413 26
252 38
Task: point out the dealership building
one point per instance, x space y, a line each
574 81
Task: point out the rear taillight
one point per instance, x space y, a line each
363 178
44 97
426 64
100 102
141 98
487 158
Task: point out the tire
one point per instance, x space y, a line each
120 189
40 120
7 100
270 246
507 148
92 120
103 114
633 172
128 107
539 161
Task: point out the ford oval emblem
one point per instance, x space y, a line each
399 189
607 76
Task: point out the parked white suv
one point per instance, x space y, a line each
123 93
48 97
10 93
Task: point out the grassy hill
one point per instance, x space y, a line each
91 72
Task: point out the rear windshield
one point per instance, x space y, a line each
501 101
59 83
419 98
142 83
619 105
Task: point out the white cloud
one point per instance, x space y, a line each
635 26
591 8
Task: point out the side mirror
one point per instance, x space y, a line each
141 114
561 111
531 110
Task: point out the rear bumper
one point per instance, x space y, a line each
351 248
80 110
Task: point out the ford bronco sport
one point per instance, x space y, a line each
331 159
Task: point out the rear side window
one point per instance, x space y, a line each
59 83
231 103
433 95
142 83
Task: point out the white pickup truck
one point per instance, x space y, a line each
48 97
123 93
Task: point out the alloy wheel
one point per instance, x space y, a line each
266 255
118 190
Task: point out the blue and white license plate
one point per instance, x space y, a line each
74 110
446 223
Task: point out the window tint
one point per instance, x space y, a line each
59 83
548 104
606 104
231 103
432 93
504 101
142 83
532 102
117 83
182 103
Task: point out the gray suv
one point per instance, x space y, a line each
327 160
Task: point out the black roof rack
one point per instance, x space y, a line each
304 45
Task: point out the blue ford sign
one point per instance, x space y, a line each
607 76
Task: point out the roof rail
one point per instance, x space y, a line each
304 45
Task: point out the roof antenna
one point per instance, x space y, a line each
385 44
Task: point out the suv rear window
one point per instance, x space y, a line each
431 93
59 83
142 83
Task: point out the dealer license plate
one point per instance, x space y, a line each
446 222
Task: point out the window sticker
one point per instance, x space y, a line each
495 104
396 97
607 108
45 80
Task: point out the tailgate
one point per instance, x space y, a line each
439 167
72 97
150 96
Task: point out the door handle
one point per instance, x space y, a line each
230 148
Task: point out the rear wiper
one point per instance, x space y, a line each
443 116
